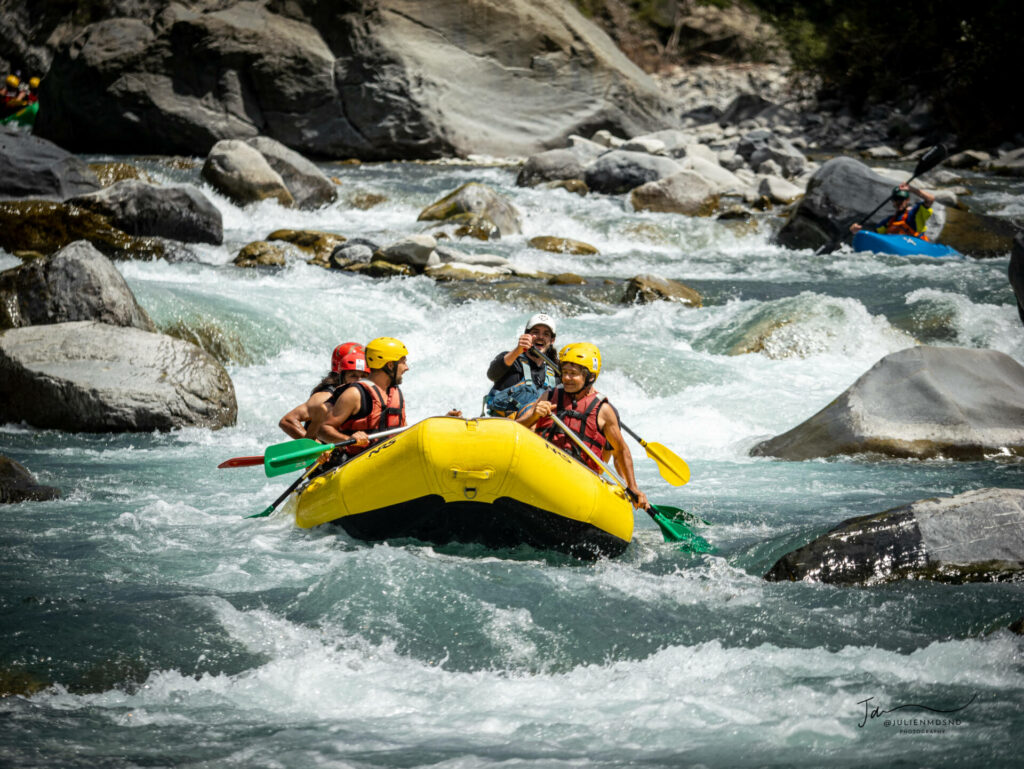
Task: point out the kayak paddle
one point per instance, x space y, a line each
672 531
671 466
928 161
241 462
284 457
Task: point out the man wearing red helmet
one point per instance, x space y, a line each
348 365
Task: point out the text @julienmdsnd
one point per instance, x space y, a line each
906 724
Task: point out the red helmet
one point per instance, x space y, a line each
348 357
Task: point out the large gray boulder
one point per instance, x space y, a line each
841 192
475 199
31 167
92 377
240 172
76 283
920 402
620 171
686 193
977 536
759 146
308 185
175 212
373 79
555 165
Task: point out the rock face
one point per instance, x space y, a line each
920 402
374 79
76 283
175 212
92 377
973 537
18 485
31 167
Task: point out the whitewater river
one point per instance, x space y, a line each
158 627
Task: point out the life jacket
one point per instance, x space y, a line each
580 417
903 224
375 413
509 401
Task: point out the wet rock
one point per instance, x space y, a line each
1007 164
45 227
922 402
725 181
1016 272
977 536
318 244
378 268
475 226
686 193
644 289
646 144
562 245
177 212
448 255
364 201
880 152
566 279
575 186
309 186
462 271
92 377
1017 627
413 250
31 167
975 234
619 171
475 198
260 253
607 139
76 283
112 173
351 253
242 174
18 485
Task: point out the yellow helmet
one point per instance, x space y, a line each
384 350
582 354
33 83
12 81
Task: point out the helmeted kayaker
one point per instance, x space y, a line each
906 219
521 374
348 365
586 412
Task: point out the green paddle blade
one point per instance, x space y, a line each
678 514
284 457
676 531
262 513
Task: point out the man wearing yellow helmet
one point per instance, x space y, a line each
587 413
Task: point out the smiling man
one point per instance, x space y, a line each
587 413
521 375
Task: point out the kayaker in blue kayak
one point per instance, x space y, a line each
906 219
521 374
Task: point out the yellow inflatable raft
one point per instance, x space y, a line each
486 481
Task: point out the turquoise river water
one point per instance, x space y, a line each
158 627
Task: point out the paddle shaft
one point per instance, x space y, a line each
285 459
586 450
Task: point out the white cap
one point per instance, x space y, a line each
542 319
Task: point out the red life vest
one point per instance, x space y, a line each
580 417
377 412
899 224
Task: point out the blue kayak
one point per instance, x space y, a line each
904 245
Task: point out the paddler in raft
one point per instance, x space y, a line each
348 365
905 220
521 374
587 413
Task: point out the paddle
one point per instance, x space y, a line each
928 161
241 462
671 466
289 490
672 531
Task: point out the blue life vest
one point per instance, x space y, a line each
505 403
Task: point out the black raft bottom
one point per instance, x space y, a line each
504 523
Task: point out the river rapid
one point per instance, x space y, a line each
156 626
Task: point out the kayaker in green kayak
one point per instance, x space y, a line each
905 220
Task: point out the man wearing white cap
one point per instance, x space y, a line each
521 374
